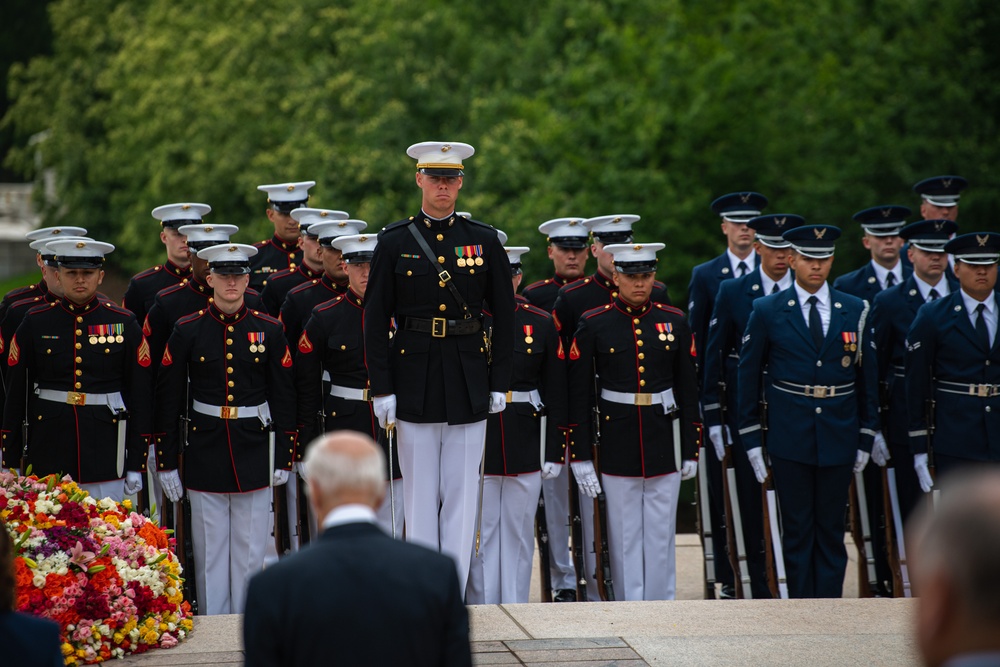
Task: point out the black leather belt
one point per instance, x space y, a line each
439 327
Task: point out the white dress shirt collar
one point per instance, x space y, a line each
353 513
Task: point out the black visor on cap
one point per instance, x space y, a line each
201 245
288 206
636 267
359 258
174 224
435 171
610 238
571 242
80 262
230 268
515 270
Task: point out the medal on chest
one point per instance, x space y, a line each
256 339
666 330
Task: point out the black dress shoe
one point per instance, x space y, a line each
728 592
564 595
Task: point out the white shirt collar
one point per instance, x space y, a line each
925 288
971 304
822 294
734 262
767 284
881 272
352 513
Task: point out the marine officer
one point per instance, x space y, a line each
434 273
822 412
241 439
646 397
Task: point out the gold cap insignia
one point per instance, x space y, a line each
233 248
323 214
362 239
81 244
617 220
637 247
208 229
446 148
56 231
291 187
982 240
820 233
185 207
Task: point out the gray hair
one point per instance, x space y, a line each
334 471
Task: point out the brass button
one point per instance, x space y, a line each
343 347
230 397
642 383
642 369
635 321
529 350
79 345
79 372
611 351
472 270
639 343
638 332
77 385
229 355
440 259
440 283
231 383
48 351
409 273
442 307
229 341
402 351
78 332
614 295
107 351
230 328
201 358
440 237
229 370
79 319
78 359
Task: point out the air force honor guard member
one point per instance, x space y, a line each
516 449
939 197
892 314
311 268
144 286
241 438
435 273
881 225
822 413
282 250
721 356
88 414
953 366
647 403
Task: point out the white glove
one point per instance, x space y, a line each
880 452
715 435
498 401
299 469
586 477
133 482
171 483
280 477
385 409
861 461
689 469
756 457
923 472
551 470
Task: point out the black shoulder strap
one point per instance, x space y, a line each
443 275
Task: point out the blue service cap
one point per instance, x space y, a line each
770 228
883 220
929 235
941 190
815 241
975 248
739 207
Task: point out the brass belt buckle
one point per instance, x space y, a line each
983 390
229 412
366 394
76 398
510 396
819 392
643 399
439 327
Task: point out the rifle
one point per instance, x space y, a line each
605 586
735 544
895 547
862 534
705 524
931 407
576 538
24 427
541 527
773 552
181 513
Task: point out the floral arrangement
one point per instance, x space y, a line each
107 575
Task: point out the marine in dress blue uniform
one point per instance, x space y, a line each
735 209
516 448
952 359
892 314
282 250
647 396
443 374
235 365
144 286
721 355
311 268
568 248
822 410
88 363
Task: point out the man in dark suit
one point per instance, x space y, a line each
721 355
376 600
736 210
435 273
892 314
953 359
820 388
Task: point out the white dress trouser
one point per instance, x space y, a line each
384 513
556 492
114 489
642 523
229 536
502 572
440 466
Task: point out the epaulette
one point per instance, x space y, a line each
166 291
397 224
267 318
477 222
261 244
187 319
151 271
596 311
535 310
13 294
252 291
304 286
278 275
577 284
657 283
537 284
25 302
115 308
42 305
669 309
328 304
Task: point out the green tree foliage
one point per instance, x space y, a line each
575 107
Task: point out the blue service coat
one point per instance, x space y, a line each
812 431
942 346
863 284
705 281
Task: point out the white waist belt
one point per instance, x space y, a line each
664 398
262 411
968 389
350 393
113 401
532 397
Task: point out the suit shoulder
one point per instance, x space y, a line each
29 302
669 309
706 267
261 244
535 310
575 285
535 285
251 292
395 227
595 312
170 290
115 308
327 305
264 317
148 273
19 292
279 275
303 287
193 317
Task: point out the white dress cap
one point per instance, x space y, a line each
356 248
514 254
171 214
327 231
634 257
307 217
79 253
446 156
611 224
53 233
287 192
228 253
207 234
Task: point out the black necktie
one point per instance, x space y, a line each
981 330
890 279
775 290
815 323
933 295
742 268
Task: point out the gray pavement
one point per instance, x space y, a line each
688 631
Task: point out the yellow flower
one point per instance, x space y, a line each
67 648
127 504
129 626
